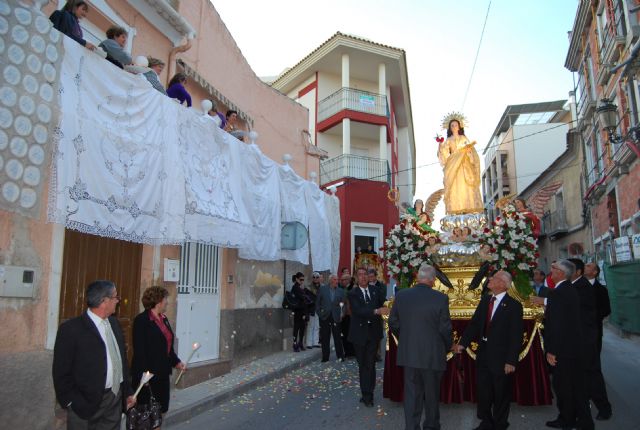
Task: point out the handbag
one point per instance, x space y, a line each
289 301
145 417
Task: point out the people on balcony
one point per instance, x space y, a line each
232 125
153 75
176 89
114 44
218 117
67 21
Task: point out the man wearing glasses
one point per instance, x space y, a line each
90 371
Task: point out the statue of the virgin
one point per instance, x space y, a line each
461 165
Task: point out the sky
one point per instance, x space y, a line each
521 58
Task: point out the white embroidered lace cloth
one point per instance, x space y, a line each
131 164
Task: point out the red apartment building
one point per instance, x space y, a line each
357 93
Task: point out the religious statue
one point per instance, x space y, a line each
461 165
421 217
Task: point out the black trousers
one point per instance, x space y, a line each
106 418
421 392
299 326
571 393
366 356
595 383
493 392
346 345
330 328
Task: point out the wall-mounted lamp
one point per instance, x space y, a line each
608 116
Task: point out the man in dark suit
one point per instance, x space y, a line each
564 344
381 288
498 328
90 371
591 321
603 305
329 308
539 288
421 322
365 332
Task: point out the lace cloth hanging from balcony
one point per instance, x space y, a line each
31 55
131 164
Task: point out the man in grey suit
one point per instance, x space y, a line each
329 305
420 320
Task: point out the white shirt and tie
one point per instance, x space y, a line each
111 345
496 303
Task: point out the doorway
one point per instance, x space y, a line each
198 317
88 258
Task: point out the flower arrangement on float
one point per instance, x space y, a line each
509 245
407 247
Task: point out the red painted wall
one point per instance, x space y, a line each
363 201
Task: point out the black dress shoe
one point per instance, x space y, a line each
556 424
603 416
368 403
324 360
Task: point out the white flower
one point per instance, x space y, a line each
405 270
523 266
513 244
501 241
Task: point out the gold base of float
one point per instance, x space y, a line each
463 303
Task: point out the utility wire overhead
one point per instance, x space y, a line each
473 69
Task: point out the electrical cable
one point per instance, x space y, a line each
473 69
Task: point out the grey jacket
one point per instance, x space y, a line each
324 305
116 51
421 321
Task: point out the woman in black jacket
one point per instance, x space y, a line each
153 347
67 21
300 312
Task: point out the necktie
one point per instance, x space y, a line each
487 323
367 299
332 294
116 362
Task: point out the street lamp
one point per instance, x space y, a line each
608 115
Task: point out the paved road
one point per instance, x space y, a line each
325 395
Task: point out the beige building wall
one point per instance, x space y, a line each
29 325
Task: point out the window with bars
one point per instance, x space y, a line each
199 269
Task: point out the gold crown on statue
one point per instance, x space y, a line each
458 116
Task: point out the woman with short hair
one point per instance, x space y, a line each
153 347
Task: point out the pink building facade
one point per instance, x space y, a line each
190 37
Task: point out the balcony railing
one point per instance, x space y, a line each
352 99
354 166
554 223
614 35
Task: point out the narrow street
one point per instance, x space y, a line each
325 395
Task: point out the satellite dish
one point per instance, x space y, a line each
294 235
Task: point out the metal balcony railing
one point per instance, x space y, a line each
354 166
352 99
614 35
554 223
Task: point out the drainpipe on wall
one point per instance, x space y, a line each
172 58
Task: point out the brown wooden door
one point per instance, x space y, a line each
88 258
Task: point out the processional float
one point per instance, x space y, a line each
465 252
